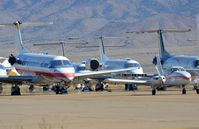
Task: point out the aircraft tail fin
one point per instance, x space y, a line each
162 51
103 56
17 25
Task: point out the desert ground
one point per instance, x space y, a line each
101 110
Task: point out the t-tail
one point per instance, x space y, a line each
162 51
103 56
164 55
19 41
18 25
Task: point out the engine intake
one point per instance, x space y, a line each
92 64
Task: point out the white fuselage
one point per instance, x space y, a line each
178 78
189 63
119 64
47 68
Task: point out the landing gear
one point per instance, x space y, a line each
100 86
31 88
1 88
130 87
126 87
197 91
60 89
86 87
184 91
15 90
45 88
153 91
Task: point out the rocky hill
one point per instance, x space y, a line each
91 18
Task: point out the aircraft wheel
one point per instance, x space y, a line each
57 89
184 91
154 92
31 88
99 87
45 88
126 87
197 91
1 88
15 90
195 87
63 90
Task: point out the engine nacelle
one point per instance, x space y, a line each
158 81
92 64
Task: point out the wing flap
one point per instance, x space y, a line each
16 79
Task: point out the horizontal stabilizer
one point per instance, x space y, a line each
162 30
26 24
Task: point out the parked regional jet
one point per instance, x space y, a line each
169 61
44 68
105 62
177 77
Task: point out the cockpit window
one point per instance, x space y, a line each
197 63
131 65
177 69
57 63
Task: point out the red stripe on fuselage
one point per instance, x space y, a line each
48 74
180 77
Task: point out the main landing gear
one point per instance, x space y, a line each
1 88
197 90
184 91
60 89
31 88
15 90
153 91
100 86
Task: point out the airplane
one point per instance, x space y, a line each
39 68
105 63
177 77
189 63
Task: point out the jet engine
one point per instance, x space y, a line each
92 64
158 81
12 60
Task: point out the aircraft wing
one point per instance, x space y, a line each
16 79
88 74
126 81
192 70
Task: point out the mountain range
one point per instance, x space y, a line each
92 18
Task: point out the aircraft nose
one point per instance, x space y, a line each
185 75
67 73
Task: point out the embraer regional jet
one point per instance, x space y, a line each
177 77
169 61
43 68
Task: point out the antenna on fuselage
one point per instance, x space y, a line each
18 26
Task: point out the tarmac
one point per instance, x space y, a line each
101 110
